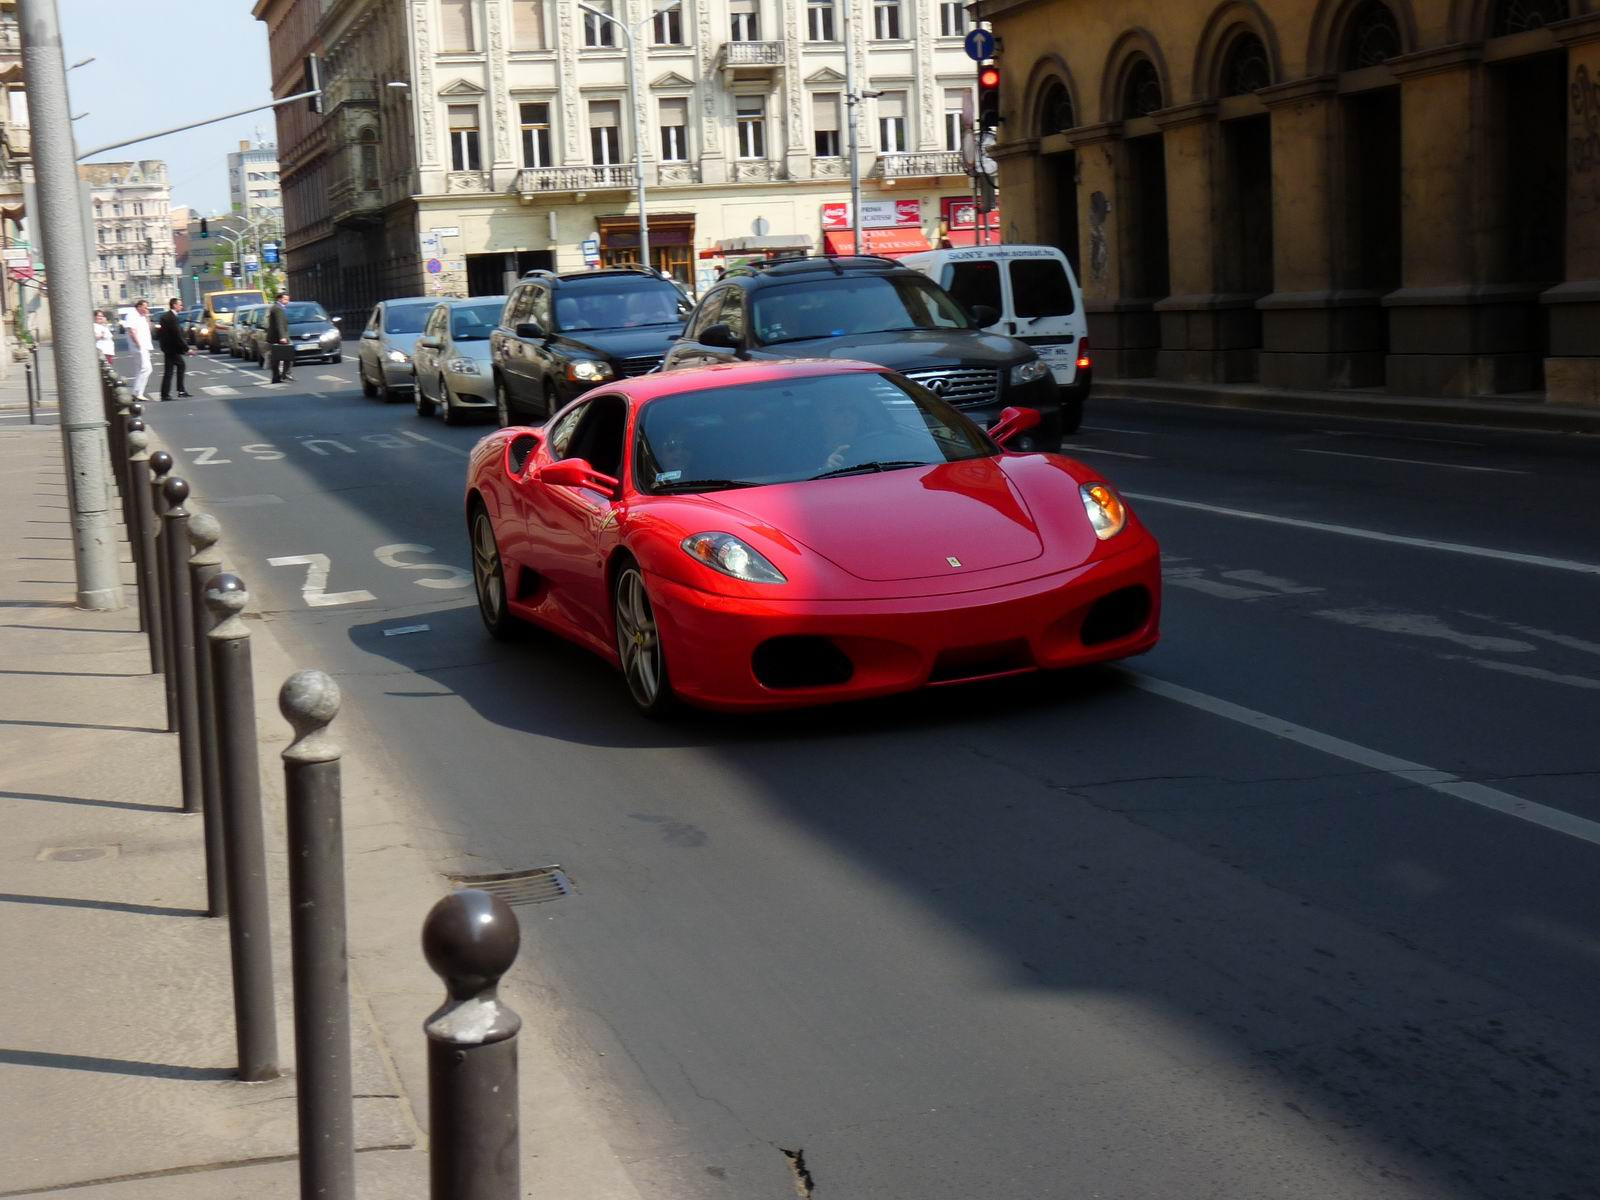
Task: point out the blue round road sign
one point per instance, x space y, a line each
980 45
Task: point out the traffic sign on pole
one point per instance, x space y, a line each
980 45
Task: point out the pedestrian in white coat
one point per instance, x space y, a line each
138 326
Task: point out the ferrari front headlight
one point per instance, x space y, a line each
726 553
1105 510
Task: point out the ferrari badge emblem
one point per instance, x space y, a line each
953 560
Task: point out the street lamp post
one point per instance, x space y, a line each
853 103
633 104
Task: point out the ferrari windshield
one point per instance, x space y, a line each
786 430
851 304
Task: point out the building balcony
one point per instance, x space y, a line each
744 61
354 206
920 164
755 170
677 172
536 181
10 38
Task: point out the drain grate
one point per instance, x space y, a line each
537 886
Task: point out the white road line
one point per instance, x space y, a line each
417 437
1539 673
1413 462
1113 429
1483 796
1372 535
1395 437
220 389
331 378
1072 451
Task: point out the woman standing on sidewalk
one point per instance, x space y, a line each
103 341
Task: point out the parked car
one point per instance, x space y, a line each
450 362
190 322
384 360
1038 300
218 313
877 310
561 335
312 332
774 534
241 334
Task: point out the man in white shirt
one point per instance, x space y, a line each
138 325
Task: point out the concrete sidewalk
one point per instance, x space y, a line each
116 1064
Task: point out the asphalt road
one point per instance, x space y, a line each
1301 904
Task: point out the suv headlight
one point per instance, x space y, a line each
726 553
397 356
1105 510
463 366
588 370
1028 372
330 335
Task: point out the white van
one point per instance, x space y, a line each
1039 302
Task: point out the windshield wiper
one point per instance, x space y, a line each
702 485
872 468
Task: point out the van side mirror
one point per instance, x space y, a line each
983 316
1013 423
719 336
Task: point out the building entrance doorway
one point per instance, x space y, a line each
492 274
1059 206
1148 272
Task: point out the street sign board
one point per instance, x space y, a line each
434 266
446 231
18 254
875 214
230 268
591 251
980 45
251 262
269 252
22 271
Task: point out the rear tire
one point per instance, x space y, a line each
489 577
1071 416
644 667
367 389
502 403
337 358
451 413
424 405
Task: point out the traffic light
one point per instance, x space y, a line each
313 83
205 228
988 97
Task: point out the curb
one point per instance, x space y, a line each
1508 415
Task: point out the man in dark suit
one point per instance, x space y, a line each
169 332
278 340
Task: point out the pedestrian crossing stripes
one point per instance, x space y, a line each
220 389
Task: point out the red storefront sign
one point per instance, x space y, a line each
875 214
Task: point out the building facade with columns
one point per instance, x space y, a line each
134 255
1396 194
509 123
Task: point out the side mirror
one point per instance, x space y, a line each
719 336
577 473
335 320
369 335
983 316
531 329
1014 422
432 343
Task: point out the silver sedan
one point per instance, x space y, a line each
450 362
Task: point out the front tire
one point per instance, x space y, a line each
367 389
644 668
489 577
424 405
451 413
502 403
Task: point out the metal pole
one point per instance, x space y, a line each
147 137
853 103
160 465
33 415
83 433
638 150
175 539
309 700
471 939
249 929
144 530
205 564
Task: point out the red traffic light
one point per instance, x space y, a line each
989 77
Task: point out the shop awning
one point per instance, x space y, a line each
889 242
771 244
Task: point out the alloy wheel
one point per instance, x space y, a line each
488 574
639 641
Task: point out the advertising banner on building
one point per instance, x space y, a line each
875 214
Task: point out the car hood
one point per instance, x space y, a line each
475 349
625 343
903 524
913 349
311 326
406 342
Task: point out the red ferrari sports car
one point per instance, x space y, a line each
767 535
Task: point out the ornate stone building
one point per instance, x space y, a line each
133 256
508 121
1399 194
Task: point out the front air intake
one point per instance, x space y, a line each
1116 616
785 663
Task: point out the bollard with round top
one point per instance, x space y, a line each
205 564
309 701
175 542
143 535
471 939
117 429
160 466
249 928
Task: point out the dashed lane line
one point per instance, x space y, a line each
417 437
1072 451
1413 462
1373 535
331 378
1553 819
220 389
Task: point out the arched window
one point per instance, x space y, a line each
1141 95
1373 37
1247 68
1055 110
1519 16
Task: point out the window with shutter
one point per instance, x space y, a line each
455 26
825 123
527 25
892 122
674 130
605 134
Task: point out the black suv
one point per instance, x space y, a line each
560 335
879 311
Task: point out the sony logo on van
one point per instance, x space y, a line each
1000 252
